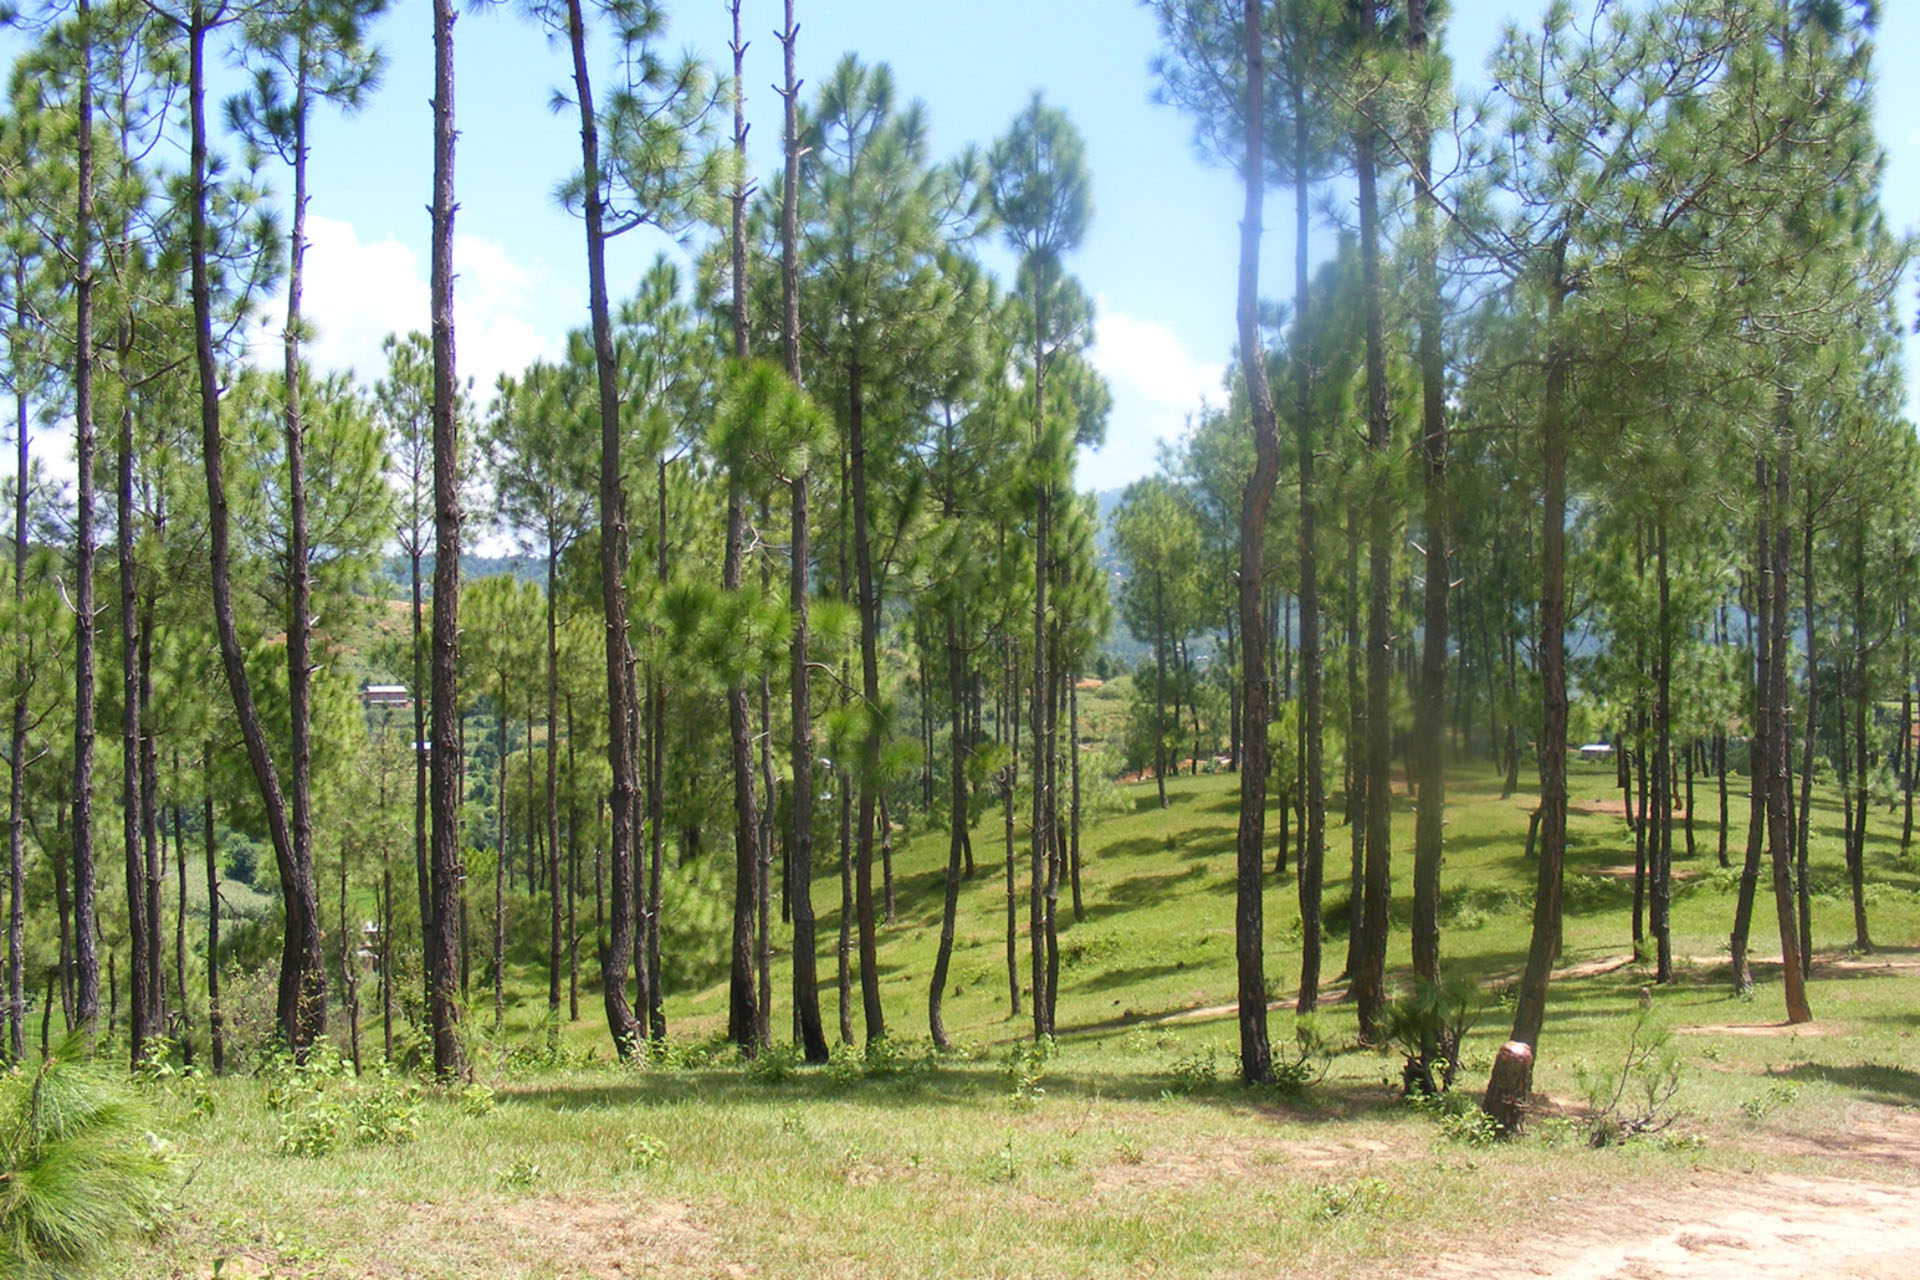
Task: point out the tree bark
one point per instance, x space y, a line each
1760 744
1429 727
445 759
1779 798
17 742
621 737
141 1025
806 981
869 607
1313 832
1510 1085
302 993
1256 1054
86 960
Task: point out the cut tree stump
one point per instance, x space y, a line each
1509 1087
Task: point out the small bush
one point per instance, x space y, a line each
1427 1025
312 1129
78 1164
1024 1072
385 1112
1198 1071
1780 1093
1363 1197
645 1154
1637 1099
774 1064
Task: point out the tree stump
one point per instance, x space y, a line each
1509 1087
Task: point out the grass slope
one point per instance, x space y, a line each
1122 1154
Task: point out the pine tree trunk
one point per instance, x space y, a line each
1010 720
957 820
17 741
1369 984
302 991
1256 1054
1760 745
1313 832
300 613
806 982
869 607
1510 1086
1660 838
86 961
553 779
1779 798
140 970
1429 725
1862 708
445 760
625 1027
216 1019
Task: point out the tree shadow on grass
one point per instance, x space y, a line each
1871 1082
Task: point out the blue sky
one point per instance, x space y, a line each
1159 257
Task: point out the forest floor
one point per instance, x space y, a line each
1131 1150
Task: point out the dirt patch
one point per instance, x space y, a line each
1768 1228
606 1240
1252 1161
1626 871
1615 809
1879 1135
1900 960
1759 1029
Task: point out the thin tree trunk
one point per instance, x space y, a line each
1073 834
1313 832
141 1003
621 739
1256 1054
300 613
1429 722
216 1019
1511 1083
1802 827
1369 982
1660 839
302 999
445 759
17 743
806 982
1779 800
1760 744
957 822
869 606
86 961
1857 838
743 1005
1011 717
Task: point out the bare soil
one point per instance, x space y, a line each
1770 1226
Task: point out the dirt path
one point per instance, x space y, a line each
1769 1228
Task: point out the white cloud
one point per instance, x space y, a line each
357 293
1157 385
1148 359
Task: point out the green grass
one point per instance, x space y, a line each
1117 1155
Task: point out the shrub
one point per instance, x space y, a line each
1427 1024
78 1167
1638 1098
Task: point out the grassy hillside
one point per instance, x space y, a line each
1129 1149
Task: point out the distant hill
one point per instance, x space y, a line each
526 568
